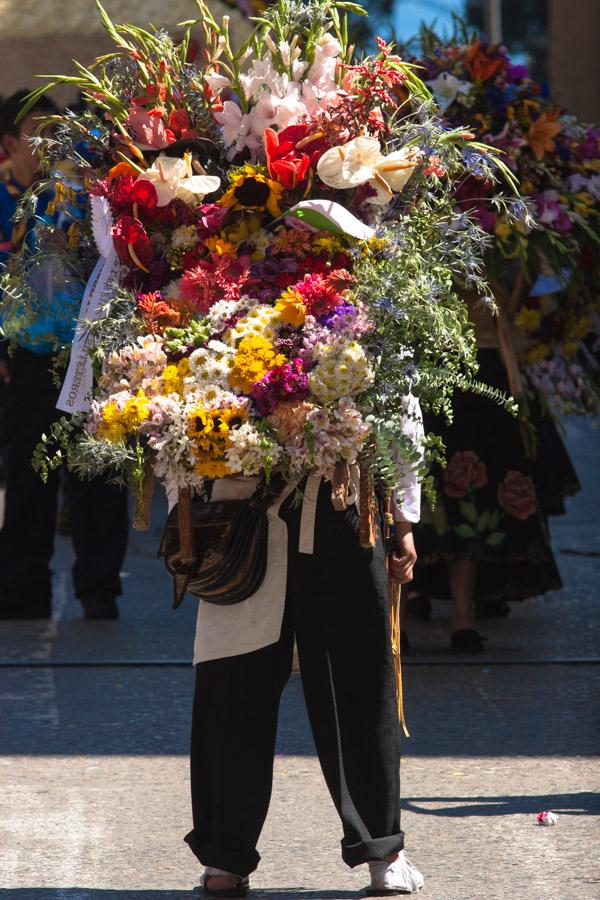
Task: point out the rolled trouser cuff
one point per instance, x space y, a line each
372 850
229 859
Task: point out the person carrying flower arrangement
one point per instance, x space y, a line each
98 510
487 540
284 254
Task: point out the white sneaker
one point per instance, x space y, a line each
398 877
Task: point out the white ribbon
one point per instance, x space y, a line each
77 386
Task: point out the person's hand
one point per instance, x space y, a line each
404 556
4 371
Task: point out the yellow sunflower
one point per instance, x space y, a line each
251 188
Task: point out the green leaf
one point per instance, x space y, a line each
495 517
469 511
464 531
496 538
483 523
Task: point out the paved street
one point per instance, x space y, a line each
93 765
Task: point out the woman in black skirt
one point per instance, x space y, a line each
487 538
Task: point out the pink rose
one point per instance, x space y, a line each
464 470
516 495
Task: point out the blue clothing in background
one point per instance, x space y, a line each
58 299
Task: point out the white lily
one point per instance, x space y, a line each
173 177
361 161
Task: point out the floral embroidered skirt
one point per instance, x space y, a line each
493 500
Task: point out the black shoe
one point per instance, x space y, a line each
467 640
100 608
12 611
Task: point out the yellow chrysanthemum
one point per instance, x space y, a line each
291 308
255 356
251 188
173 377
117 423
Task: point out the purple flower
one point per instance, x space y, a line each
287 382
517 73
212 216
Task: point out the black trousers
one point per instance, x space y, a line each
337 608
98 510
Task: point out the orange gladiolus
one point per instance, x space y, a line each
541 134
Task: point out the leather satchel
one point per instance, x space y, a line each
230 547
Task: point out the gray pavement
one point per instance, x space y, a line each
93 765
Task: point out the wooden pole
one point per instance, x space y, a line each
143 502
368 525
187 552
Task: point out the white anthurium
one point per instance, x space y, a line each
173 177
392 174
361 161
351 164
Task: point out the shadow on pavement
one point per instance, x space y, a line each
583 803
76 893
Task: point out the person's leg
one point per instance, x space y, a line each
341 617
27 535
99 530
234 728
462 576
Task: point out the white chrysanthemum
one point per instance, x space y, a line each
250 452
210 365
184 237
258 322
223 311
341 371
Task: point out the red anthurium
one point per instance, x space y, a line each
129 190
286 165
132 242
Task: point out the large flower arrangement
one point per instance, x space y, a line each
285 223
557 160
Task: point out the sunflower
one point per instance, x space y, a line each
251 188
